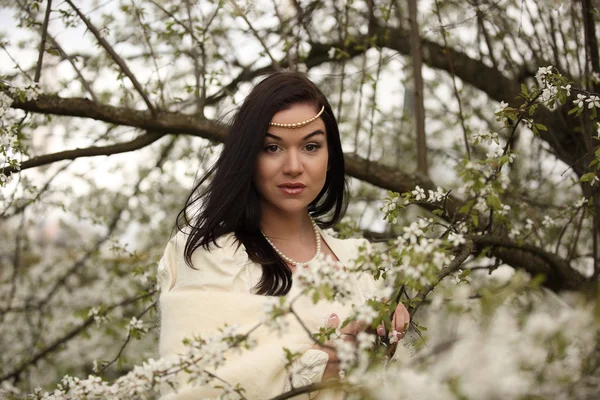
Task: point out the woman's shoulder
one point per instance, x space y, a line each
216 265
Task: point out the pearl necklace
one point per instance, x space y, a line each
296 263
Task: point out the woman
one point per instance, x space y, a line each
242 235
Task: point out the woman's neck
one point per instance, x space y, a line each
285 226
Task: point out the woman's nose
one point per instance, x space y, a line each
293 164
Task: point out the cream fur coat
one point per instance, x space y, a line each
220 291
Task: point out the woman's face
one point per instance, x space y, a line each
292 165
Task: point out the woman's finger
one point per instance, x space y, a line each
406 318
333 321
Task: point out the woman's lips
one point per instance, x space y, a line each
292 188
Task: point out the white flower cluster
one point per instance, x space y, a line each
364 313
554 87
431 196
420 257
274 308
456 239
9 145
485 136
136 325
548 221
326 278
495 151
591 100
5 103
145 379
414 231
98 316
28 93
502 356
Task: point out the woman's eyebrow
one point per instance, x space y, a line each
317 132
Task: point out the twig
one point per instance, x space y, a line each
453 75
38 68
464 253
140 315
240 13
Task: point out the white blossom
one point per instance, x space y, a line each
412 232
5 102
542 72
495 151
581 202
436 196
548 221
501 107
419 193
365 313
456 239
504 210
579 101
528 224
593 101
549 93
136 324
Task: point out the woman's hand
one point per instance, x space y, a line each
348 333
400 324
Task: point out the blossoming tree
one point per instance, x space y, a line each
471 134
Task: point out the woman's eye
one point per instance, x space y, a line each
312 147
271 148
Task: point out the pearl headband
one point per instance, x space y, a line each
298 124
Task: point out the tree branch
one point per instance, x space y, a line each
419 92
535 260
115 57
58 343
136 144
38 68
458 260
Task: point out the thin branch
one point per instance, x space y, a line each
136 144
240 13
358 123
453 75
58 343
456 263
154 57
115 57
38 68
17 65
486 36
139 316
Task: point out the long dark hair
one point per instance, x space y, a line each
230 201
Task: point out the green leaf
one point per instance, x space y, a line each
588 177
475 220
